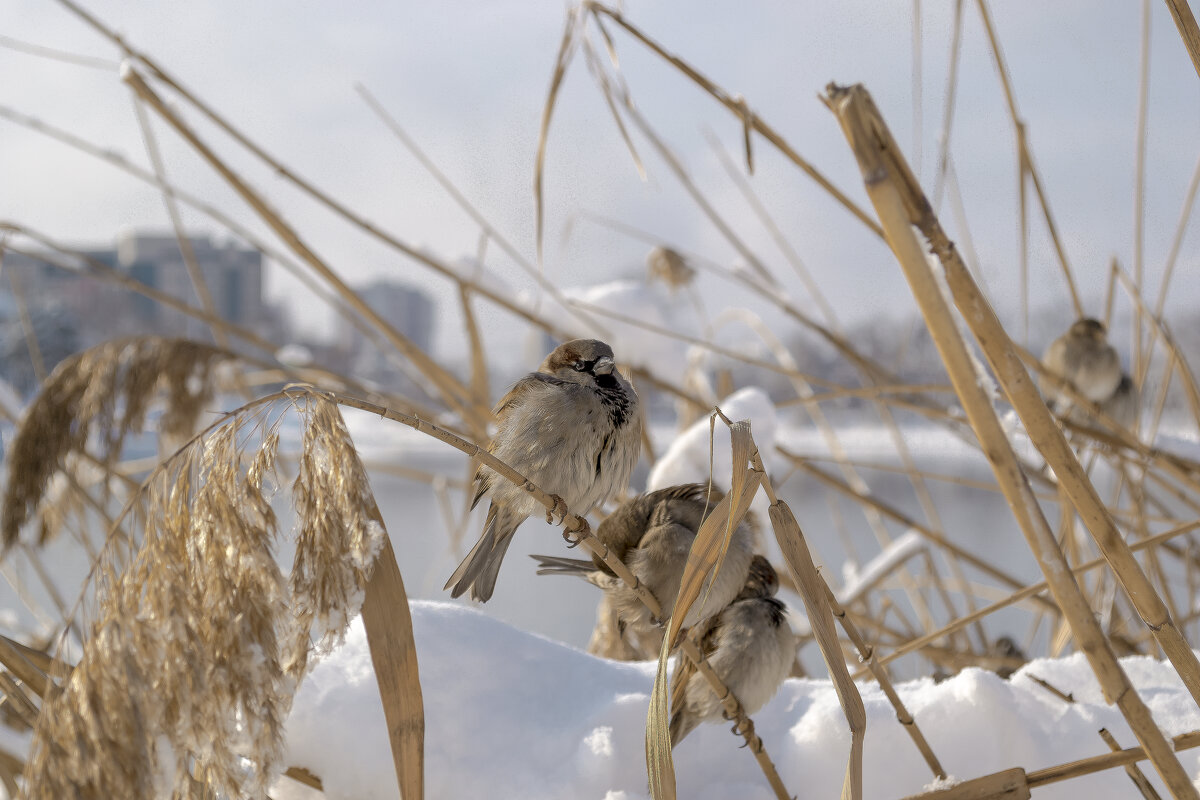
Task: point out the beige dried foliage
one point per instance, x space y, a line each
198 645
92 402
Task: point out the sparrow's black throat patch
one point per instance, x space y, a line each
614 399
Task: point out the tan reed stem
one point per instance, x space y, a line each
884 172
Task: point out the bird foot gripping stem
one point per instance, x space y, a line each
576 530
560 510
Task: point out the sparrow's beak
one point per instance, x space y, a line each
604 365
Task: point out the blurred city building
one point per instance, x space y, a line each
68 302
372 358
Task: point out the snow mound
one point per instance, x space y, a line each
512 714
687 461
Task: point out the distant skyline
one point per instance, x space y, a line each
468 84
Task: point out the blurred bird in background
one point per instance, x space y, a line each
1083 357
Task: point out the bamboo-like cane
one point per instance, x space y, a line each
884 172
1039 423
1185 21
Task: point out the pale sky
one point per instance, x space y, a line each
468 81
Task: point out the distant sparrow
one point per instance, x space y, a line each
1083 357
652 534
668 266
574 429
750 647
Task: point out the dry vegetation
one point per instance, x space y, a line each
189 596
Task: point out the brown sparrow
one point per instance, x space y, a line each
1084 357
574 429
652 534
668 266
750 647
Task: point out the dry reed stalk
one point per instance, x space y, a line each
489 231
739 107
195 276
1134 772
886 176
31 342
777 235
1086 766
813 591
1025 157
1185 21
866 654
102 394
1139 191
940 539
1049 440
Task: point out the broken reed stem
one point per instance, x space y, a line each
884 173
1086 766
1132 770
743 725
576 531
866 654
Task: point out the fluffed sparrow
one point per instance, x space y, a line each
574 429
750 647
652 534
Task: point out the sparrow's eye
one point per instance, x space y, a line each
580 366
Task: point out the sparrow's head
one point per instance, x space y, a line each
1089 329
580 360
762 580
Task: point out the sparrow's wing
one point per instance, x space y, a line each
684 668
512 399
623 529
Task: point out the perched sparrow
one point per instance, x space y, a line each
574 429
1083 357
1123 406
666 265
652 534
750 647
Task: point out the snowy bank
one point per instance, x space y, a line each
512 714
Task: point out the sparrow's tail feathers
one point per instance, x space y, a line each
479 569
559 565
681 725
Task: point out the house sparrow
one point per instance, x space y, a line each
574 429
652 534
1123 406
1083 357
750 647
668 266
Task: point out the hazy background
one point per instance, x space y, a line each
468 81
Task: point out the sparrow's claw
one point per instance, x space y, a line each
560 509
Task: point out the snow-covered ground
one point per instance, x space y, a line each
512 714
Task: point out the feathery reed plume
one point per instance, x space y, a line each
97 398
198 646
